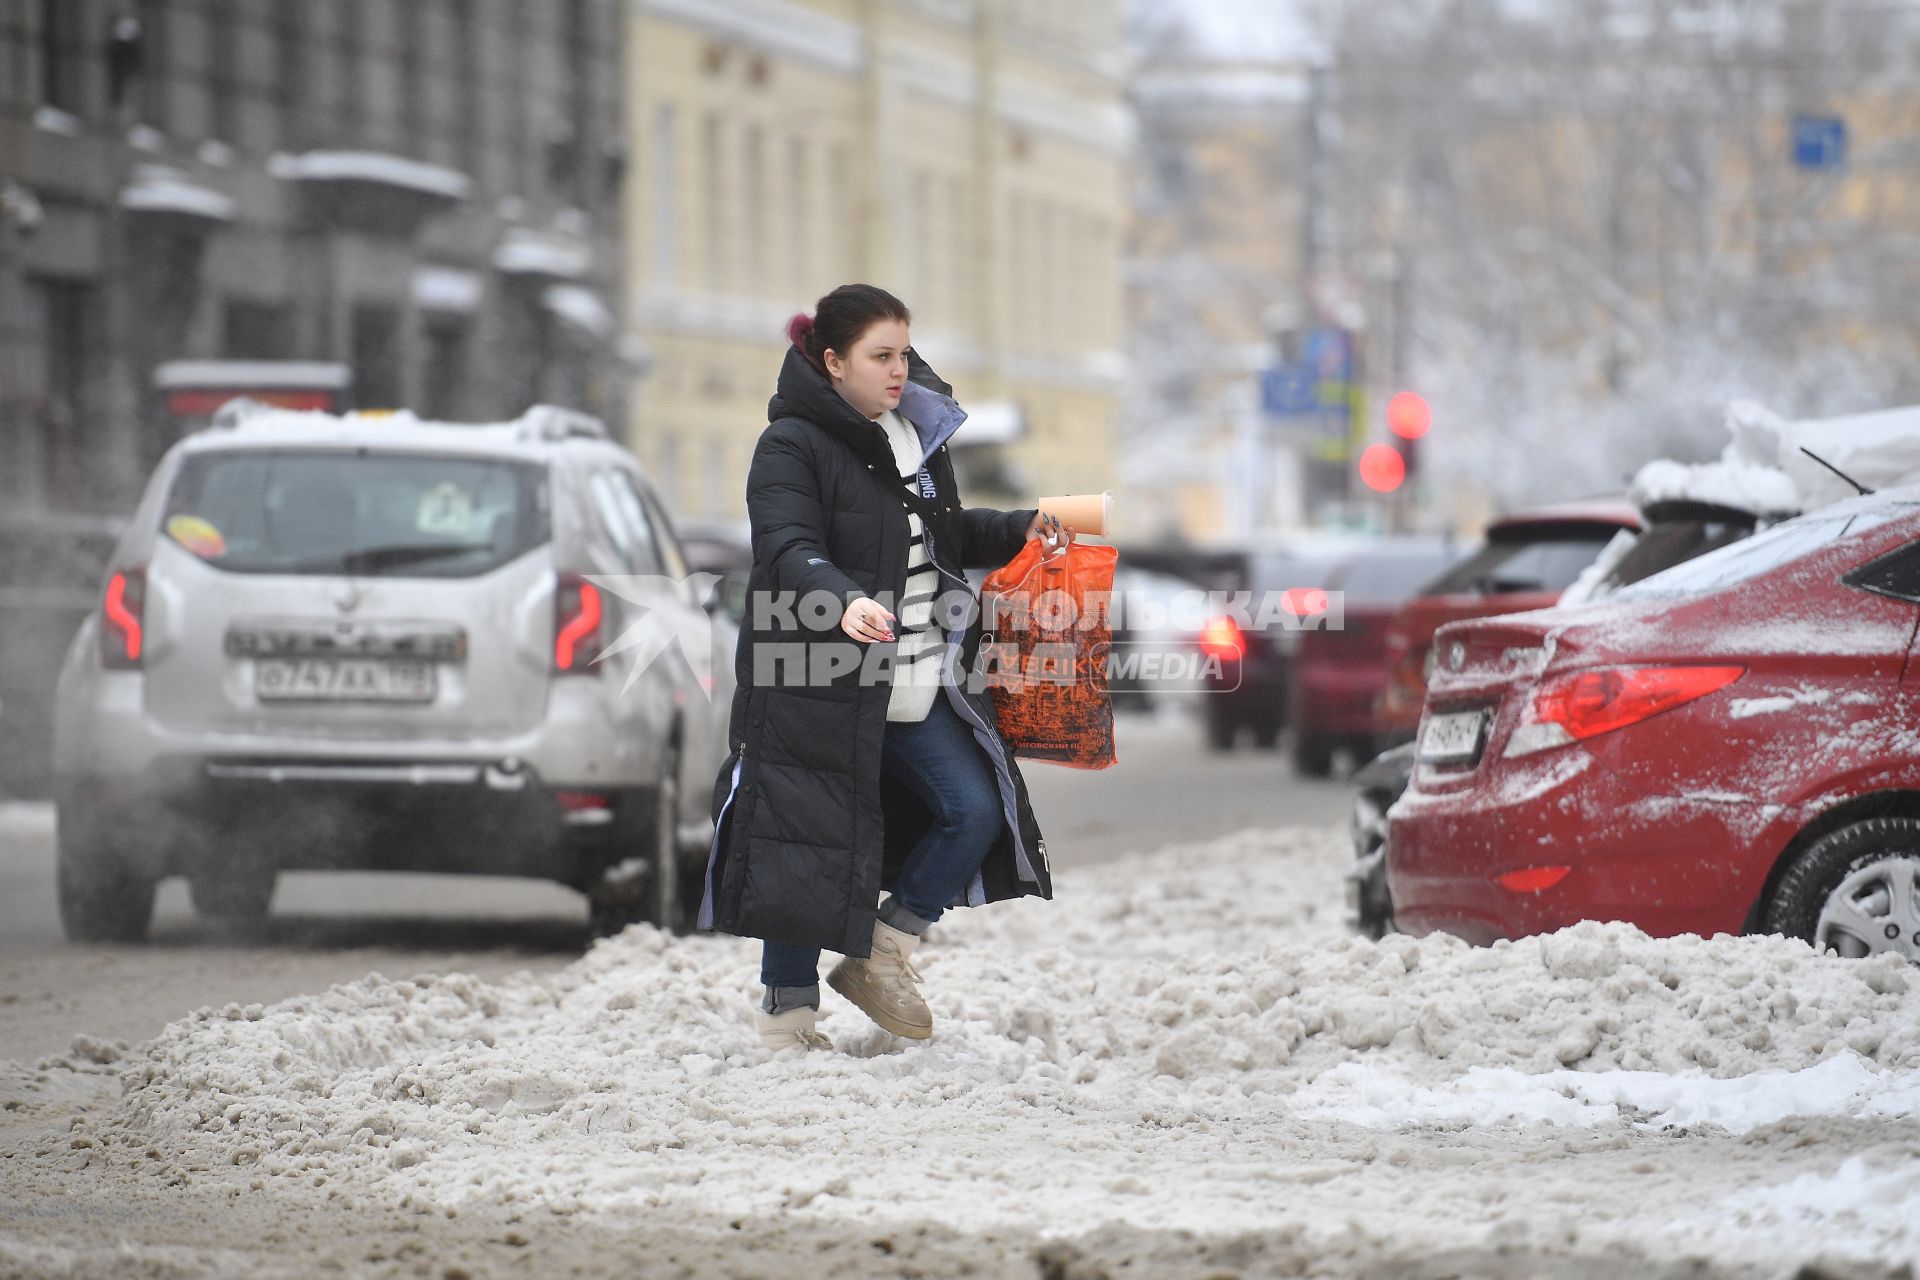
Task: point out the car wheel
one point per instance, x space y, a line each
1312 756
618 899
1220 733
665 905
1372 903
1266 735
101 899
233 893
1854 892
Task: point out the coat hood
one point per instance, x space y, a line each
926 401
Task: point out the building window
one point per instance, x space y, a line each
581 135
290 84
666 468
412 19
666 197
712 161
350 70
253 330
799 219
59 324
909 237
223 73
468 125
960 256
147 59
519 103
753 168
444 370
60 56
715 497
839 256
376 356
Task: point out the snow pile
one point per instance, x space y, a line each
1764 471
1158 1046
1844 1085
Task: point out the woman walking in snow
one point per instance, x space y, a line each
862 757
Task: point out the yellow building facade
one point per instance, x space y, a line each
967 155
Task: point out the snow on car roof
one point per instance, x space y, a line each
1763 469
537 431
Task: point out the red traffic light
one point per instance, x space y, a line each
1409 415
1382 469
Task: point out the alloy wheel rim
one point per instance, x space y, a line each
1873 911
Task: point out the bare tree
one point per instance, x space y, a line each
1594 228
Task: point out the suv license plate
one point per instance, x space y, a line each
1453 738
342 680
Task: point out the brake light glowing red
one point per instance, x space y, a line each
1304 602
1589 703
123 619
1532 879
1221 638
576 623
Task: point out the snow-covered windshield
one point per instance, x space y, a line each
1751 557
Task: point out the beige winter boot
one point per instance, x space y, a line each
885 986
792 1029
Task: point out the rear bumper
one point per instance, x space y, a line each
188 813
1668 866
105 730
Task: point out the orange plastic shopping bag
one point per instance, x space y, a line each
1046 634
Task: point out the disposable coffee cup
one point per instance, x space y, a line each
1081 512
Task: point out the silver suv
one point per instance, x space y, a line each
369 642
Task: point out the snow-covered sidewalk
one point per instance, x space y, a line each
1181 1042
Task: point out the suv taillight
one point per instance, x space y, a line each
123 612
576 625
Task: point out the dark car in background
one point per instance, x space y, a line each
1525 562
1251 684
51 568
723 547
1339 671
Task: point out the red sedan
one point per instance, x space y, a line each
1731 745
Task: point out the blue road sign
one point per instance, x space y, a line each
1819 142
1289 391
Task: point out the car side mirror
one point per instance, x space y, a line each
729 595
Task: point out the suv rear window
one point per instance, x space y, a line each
357 512
1517 561
1391 576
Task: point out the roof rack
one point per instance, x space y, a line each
552 423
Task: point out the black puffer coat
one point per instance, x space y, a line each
805 836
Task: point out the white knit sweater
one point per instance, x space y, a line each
916 670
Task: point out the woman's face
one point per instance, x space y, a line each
871 375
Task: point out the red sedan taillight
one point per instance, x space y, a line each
576 625
123 619
1585 704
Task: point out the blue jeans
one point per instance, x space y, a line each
946 767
